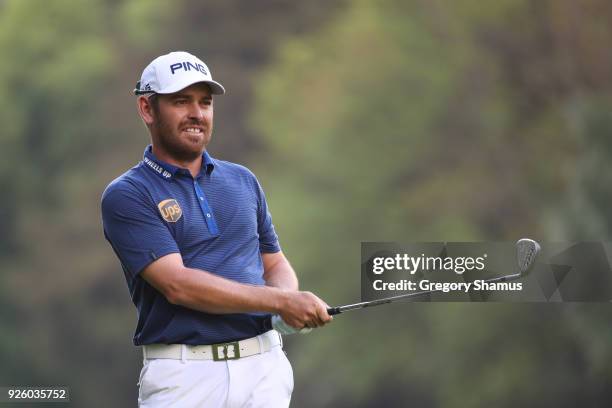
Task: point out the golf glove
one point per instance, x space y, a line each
280 326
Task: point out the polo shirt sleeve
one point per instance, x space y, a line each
134 229
268 240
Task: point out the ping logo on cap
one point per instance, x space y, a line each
187 66
170 210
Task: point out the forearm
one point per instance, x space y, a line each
207 292
280 274
204 291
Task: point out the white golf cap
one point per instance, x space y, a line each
175 71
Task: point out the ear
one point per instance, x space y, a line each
145 110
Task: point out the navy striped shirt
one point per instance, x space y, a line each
219 222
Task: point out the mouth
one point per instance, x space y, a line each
193 130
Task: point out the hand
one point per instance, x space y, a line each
304 310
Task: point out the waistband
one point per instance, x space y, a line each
218 352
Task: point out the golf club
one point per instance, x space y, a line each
526 250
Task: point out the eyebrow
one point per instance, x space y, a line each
181 95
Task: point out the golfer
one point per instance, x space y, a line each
201 257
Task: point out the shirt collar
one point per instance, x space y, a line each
208 165
168 171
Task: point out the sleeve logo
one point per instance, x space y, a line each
170 210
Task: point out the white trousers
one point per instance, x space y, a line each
261 380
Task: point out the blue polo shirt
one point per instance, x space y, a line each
219 222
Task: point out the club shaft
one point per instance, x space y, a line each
361 305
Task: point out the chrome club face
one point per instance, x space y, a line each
526 251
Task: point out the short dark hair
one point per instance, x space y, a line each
154 101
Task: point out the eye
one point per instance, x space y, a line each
180 101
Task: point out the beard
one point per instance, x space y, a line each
182 149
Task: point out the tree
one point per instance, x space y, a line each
415 121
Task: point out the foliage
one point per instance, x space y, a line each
365 121
416 121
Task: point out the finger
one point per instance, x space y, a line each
323 316
311 324
315 319
319 321
314 322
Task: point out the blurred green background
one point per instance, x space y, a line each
422 120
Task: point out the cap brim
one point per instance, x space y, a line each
215 87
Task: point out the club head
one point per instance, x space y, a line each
527 250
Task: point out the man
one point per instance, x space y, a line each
201 257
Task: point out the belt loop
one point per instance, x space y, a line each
183 353
261 345
280 337
144 354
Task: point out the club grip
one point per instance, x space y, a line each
333 311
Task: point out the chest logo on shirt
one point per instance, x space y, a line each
170 210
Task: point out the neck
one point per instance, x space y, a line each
193 166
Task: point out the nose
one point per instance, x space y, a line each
195 111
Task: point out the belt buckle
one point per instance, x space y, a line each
222 351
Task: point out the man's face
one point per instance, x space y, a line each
183 121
